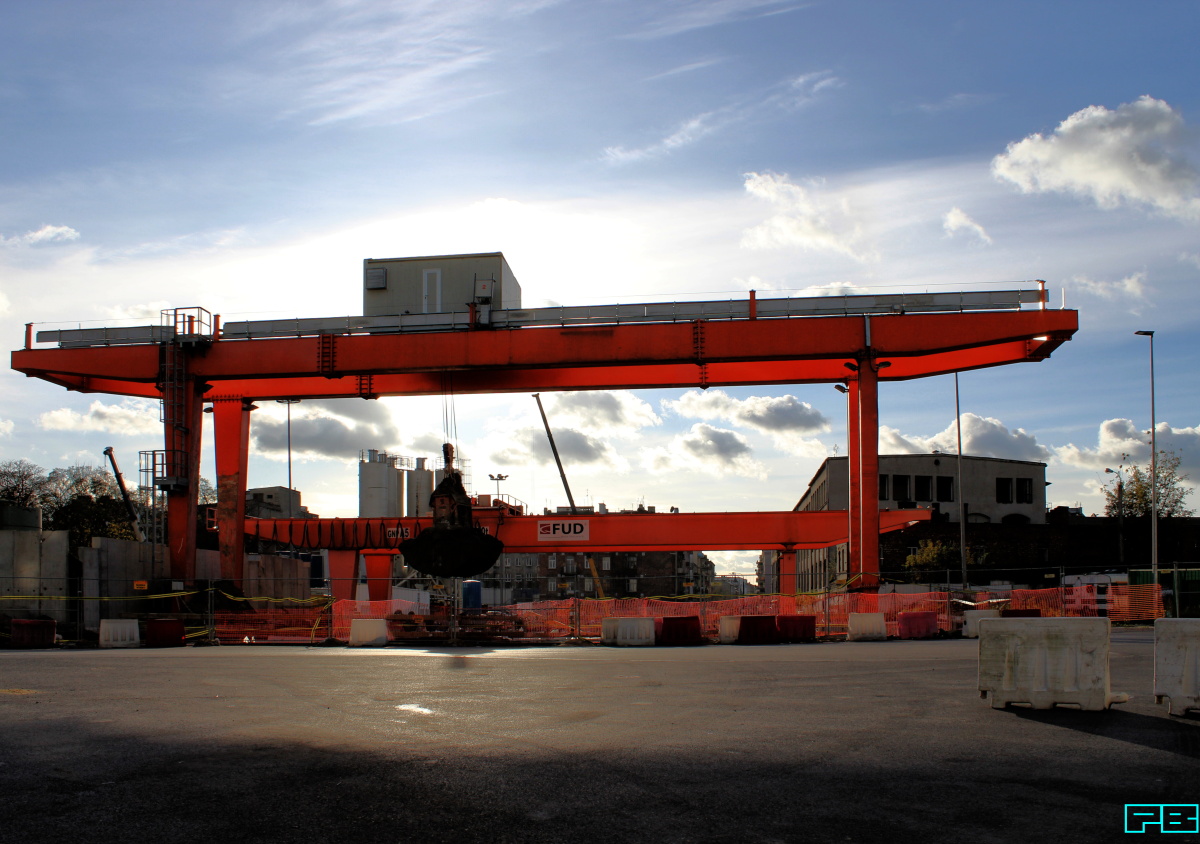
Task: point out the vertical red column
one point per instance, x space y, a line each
854 454
787 572
343 571
868 436
379 574
231 434
182 465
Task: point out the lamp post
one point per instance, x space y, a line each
498 478
1153 466
288 404
1120 514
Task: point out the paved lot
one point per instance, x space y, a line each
860 741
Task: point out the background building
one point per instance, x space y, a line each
994 491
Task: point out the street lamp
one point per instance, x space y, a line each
1120 514
498 478
288 403
1153 466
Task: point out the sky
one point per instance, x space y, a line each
246 156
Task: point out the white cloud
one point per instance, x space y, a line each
785 418
788 95
687 133
614 413
804 219
1130 287
577 450
334 430
676 18
130 418
705 449
6 427
1135 154
1119 441
981 437
957 220
45 235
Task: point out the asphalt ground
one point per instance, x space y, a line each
850 741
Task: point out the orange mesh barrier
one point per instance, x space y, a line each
283 626
560 620
1135 603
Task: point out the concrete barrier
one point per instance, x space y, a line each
627 632
758 630
728 628
866 627
119 633
368 631
1177 663
1046 662
917 625
680 630
31 633
796 628
971 619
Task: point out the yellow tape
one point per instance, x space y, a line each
94 598
315 600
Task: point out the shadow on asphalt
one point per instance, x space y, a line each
69 781
1169 734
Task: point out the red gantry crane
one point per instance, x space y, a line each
191 361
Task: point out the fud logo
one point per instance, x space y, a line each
564 530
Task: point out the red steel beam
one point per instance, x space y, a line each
641 355
611 531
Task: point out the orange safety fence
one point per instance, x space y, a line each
302 625
1135 603
568 618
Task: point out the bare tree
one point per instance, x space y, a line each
1133 498
22 483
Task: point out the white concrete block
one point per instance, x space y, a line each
1177 663
729 627
627 632
1045 662
866 627
119 633
368 631
971 620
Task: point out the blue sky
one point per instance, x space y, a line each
245 157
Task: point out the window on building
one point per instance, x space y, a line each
1004 490
633 584
553 562
551 584
923 487
587 584
900 487
945 488
883 488
606 563
1024 490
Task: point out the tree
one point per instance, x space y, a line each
933 555
1132 498
22 483
84 517
64 485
